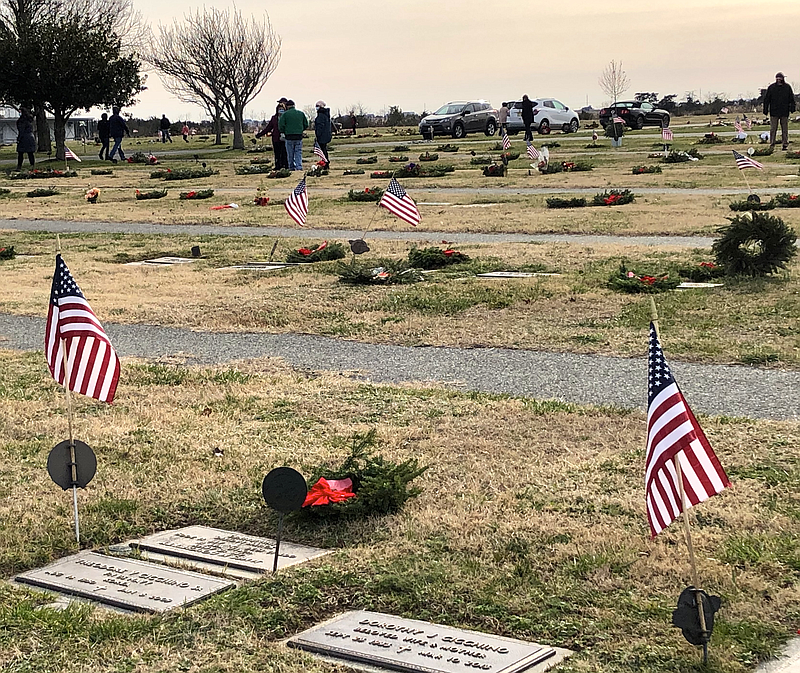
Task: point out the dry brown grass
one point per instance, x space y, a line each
525 502
753 322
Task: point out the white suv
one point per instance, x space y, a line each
548 113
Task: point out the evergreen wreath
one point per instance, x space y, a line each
102 171
398 159
633 283
196 194
381 486
400 148
7 253
762 151
367 160
322 252
447 148
154 194
785 200
428 157
754 244
480 161
42 191
558 202
613 197
254 169
369 194
639 170
387 272
435 258
744 206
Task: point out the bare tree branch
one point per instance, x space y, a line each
613 81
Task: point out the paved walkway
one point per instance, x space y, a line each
58 226
585 379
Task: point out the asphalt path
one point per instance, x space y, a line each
584 379
61 227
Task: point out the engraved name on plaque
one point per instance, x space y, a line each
415 646
226 548
124 583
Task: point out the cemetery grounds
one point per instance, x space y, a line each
531 519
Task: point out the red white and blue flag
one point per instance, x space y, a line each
743 162
506 142
533 153
92 363
674 433
69 154
297 203
738 126
666 133
397 201
318 151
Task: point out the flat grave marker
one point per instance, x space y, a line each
255 266
124 583
514 274
226 548
695 286
414 646
162 261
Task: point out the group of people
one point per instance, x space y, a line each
527 117
286 128
164 127
112 128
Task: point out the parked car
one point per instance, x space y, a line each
459 117
635 114
548 114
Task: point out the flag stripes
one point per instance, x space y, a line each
69 154
743 162
297 203
506 142
674 433
397 201
666 133
91 360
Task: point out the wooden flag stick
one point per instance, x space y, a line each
685 510
73 465
746 182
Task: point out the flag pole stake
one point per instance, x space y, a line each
72 464
374 215
746 182
687 529
278 543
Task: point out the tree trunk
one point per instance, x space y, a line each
218 125
60 133
42 131
238 137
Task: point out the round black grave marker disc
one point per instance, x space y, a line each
753 198
284 490
58 464
358 246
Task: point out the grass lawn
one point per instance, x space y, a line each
530 524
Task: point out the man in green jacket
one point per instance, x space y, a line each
292 124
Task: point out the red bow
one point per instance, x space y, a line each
325 492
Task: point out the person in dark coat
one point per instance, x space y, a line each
164 126
118 129
271 129
779 104
527 116
104 133
26 141
353 121
322 128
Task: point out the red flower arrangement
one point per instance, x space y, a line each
611 199
708 265
261 200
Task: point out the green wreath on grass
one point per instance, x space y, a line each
754 244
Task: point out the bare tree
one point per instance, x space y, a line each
613 81
217 59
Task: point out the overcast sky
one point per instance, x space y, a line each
419 54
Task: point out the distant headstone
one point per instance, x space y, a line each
225 548
415 646
124 583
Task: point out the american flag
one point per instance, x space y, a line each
743 162
619 120
297 203
738 126
506 142
69 154
666 134
533 153
93 365
396 200
673 431
318 151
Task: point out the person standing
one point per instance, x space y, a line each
164 126
353 121
104 133
292 123
118 130
527 116
779 104
185 132
322 128
278 144
502 119
26 141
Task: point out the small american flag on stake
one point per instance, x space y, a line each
743 162
92 362
666 133
506 142
738 126
297 203
533 153
396 201
318 151
673 432
69 154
